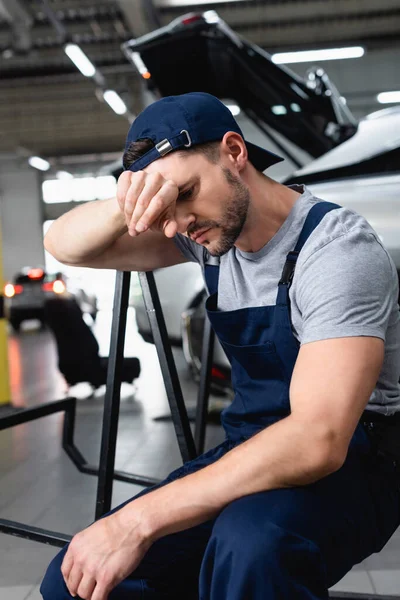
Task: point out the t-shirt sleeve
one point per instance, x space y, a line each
190 250
346 288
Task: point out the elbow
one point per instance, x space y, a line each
50 247
47 244
326 456
331 460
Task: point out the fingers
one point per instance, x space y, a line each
147 199
133 195
170 228
74 580
71 572
101 592
157 200
67 565
124 182
86 587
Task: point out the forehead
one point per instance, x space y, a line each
178 166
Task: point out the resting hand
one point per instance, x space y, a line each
147 201
101 556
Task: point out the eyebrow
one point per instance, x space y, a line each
195 179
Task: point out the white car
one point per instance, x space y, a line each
180 288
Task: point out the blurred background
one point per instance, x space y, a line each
316 81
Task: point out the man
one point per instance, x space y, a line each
304 302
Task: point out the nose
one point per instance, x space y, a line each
184 220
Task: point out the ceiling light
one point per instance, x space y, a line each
39 163
64 175
318 55
115 101
211 16
388 97
80 60
139 64
234 108
279 109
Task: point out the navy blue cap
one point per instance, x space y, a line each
178 122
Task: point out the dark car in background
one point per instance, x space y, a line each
26 295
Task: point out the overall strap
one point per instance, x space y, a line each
211 274
314 217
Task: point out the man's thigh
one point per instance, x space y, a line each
348 515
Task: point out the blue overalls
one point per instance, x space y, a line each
284 544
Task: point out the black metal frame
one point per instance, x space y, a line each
207 353
171 380
106 472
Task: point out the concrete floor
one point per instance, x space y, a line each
40 486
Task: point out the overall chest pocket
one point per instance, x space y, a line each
255 362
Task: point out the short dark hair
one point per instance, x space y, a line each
137 149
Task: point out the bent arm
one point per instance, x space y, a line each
331 384
95 235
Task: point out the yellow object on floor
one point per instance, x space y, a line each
5 396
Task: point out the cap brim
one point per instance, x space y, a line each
260 158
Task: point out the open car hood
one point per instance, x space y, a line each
199 52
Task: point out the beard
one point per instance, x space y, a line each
232 220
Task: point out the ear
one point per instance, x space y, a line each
234 149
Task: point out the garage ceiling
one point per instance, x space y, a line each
49 108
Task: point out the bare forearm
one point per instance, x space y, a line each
287 454
85 231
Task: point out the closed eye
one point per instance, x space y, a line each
185 195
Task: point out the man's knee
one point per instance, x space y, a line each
251 554
53 586
251 533
247 536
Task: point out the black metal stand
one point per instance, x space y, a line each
204 385
68 406
168 368
113 395
106 471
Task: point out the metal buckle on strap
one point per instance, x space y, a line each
164 147
188 138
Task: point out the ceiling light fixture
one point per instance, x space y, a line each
279 109
139 64
80 60
234 108
115 102
64 175
318 55
39 163
388 97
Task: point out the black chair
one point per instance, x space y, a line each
77 347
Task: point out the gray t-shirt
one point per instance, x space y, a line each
345 284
